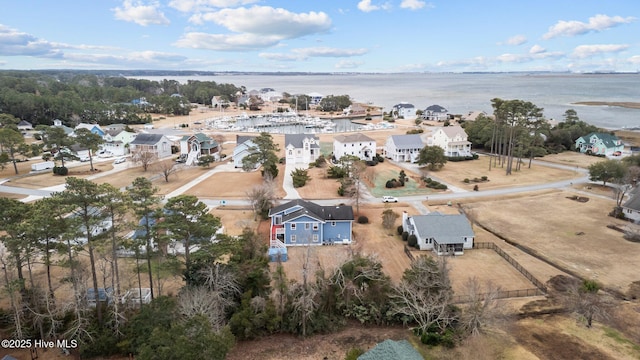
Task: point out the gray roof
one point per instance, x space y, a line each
147 139
327 213
436 108
403 105
413 141
446 229
633 203
241 139
358 137
296 140
390 349
607 139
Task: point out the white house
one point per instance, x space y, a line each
404 110
301 148
404 148
24 125
452 139
631 208
93 128
244 147
358 145
444 234
315 98
117 141
435 113
157 144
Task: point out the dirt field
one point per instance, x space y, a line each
569 233
571 158
233 185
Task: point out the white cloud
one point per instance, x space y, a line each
634 59
207 5
347 64
516 40
268 21
367 6
537 49
305 53
238 42
16 43
584 51
137 12
596 23
413 4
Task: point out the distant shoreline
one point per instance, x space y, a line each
624 104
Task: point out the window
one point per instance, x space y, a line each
292 238
277 220
293 226
333 223
315 226
315 237
290 152
307 226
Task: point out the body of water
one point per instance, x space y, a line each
463 93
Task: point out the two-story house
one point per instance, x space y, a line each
301 148
600 144
404 110
196 145
404 148
435 113
117 141
444 234
301 222
359 145
452 139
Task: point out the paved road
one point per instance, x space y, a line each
581 177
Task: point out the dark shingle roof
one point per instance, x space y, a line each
403 105
296 140
436 108
241 139
327 213
147 139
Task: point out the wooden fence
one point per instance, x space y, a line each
489 245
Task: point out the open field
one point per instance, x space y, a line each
569 233
234 185
571 158
320 186
236 219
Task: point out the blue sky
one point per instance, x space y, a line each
324 36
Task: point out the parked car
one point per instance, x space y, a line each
389 199
120 160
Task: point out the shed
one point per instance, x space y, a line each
390 349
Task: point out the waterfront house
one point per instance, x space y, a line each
452 139
301 148
474 115
359 145
404 148
600 144
444 234
300 222
196 145
435 113
404 110
244 147
631 208
156 144
355 109
315 98
93 128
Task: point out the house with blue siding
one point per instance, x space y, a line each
600 144
301 222
244 146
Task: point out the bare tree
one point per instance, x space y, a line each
143 158
482 309
389 218
424 294
211 304
12 287
166 169
584 300
262 197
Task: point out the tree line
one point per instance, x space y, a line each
40 97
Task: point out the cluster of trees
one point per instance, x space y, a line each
622 176
40 97
520 130
263 153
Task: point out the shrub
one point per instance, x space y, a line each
363 219
380 158
354 354
390 184
466 180
400 229
372 162
412 240
60 170
484 178
475 187
405 236
341 190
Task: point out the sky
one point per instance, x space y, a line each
384 36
